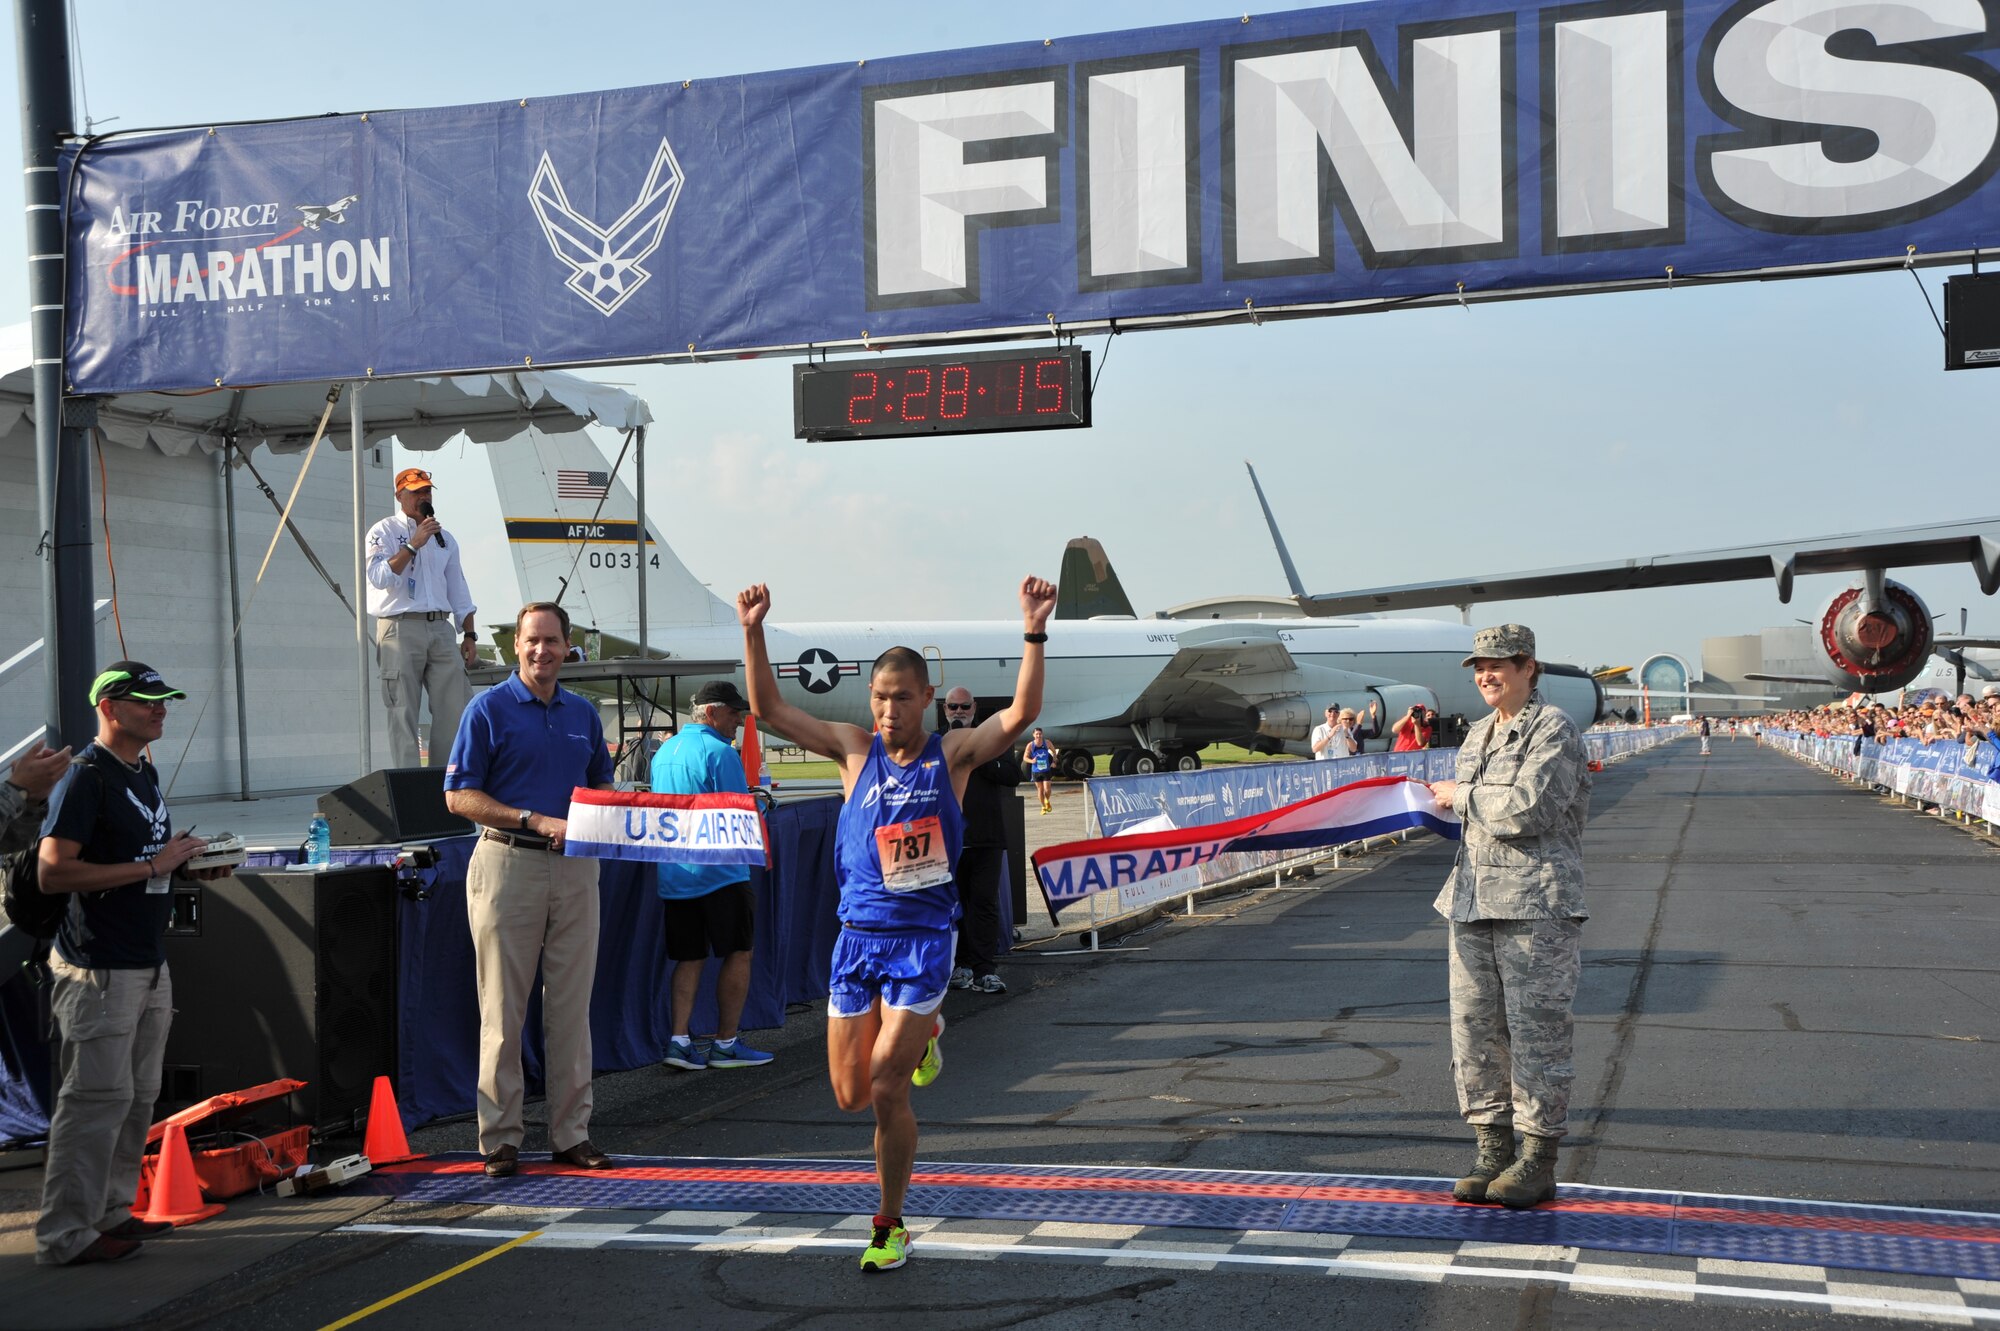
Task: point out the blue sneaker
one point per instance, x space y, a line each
681 1053
736 1054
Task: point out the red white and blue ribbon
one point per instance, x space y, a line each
1070 872
666 829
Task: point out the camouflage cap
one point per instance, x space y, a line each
1496 644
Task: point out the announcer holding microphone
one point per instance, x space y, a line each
415 589
1515 902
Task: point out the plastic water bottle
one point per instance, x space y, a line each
319 842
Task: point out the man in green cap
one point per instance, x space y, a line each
1515 903
108 842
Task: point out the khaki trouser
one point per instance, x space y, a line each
1512 1035
415 656
114 1030
524 906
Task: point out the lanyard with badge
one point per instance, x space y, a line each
912 855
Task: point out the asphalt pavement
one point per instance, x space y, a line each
1789 992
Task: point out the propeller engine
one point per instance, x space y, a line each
1880 647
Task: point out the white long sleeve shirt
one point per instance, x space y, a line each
432 581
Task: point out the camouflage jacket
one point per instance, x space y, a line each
1523 802
20 818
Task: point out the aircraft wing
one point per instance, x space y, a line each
1215 674
1764 678
1692 696
1219 658
1956 640
1976 542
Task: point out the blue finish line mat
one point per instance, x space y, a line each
1904 1240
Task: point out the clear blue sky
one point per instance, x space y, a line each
1396 446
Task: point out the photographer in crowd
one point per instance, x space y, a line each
1414 730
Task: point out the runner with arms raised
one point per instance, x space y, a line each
898 840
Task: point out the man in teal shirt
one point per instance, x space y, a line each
709 907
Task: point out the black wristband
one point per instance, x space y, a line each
1034 637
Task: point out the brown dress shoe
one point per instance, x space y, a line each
584 1156
503 1162
104 1248
132 1227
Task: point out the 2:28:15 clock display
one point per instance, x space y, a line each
968 393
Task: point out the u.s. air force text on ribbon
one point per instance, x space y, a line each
721 828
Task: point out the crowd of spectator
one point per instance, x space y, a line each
1966 719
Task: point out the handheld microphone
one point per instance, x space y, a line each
429 512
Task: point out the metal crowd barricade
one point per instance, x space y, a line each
1948 776
1218 794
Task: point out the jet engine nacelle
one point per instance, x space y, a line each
1875 651
1294 717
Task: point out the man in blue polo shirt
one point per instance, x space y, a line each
522 746
709 907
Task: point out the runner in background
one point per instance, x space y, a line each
1040 756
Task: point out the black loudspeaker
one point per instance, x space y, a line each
285 974
1972 321
389 806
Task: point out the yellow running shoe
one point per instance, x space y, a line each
932 1062
887 1250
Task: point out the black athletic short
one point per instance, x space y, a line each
722 922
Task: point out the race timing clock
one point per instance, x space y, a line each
967 393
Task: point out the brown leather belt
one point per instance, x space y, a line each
519 842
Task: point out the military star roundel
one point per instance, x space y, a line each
818 670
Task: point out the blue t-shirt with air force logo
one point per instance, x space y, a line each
117 815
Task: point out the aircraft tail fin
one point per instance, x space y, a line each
1284 555
572 531
1087 587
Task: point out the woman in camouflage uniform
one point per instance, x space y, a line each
1515 903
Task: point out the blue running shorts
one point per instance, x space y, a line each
909 969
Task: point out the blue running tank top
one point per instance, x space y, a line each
898 841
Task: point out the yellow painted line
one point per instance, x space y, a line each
437 1279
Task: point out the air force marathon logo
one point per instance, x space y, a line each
818 670
604 260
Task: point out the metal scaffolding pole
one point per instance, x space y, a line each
361 644
69 628
639 525
236 614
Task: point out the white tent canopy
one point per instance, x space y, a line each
421 414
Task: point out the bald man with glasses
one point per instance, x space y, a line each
974 966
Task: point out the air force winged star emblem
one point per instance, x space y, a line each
604 260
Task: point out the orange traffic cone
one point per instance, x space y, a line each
753 754
385 1143
176 1195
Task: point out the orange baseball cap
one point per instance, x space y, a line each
412 478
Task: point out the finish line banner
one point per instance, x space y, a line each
1068 873
1307 162
666 829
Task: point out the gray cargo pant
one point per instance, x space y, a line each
415 656
114 1029
1512 1035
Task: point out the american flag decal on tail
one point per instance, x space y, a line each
582 484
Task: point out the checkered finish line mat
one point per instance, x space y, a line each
1902 1240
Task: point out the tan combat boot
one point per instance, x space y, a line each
1496 1152
1531 1179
